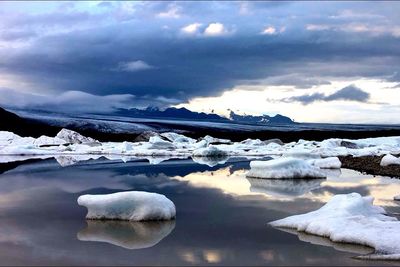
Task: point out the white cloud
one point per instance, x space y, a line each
317 27
374 30
269 30
244 8
173 12
191 28
70 101
215 29
133 66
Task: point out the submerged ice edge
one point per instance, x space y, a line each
167 145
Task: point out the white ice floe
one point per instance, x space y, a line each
178 138
213 140
284 168
301 154
389 160
73 137
326 163
351 218
157 143
210 161
131 206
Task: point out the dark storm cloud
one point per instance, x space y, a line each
82 50
348 93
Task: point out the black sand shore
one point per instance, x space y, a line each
370 165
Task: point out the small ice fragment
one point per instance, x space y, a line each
389 159
284 168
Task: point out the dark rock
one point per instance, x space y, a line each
348 144
145 136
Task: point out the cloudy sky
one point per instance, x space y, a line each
312 61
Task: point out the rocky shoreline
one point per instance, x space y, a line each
370 165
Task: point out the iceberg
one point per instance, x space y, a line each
129 206
326 163
211 161
73 137
129 235
389 160
157 142
282 168
351 218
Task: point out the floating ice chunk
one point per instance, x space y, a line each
389 160
397 198
210 151
213 140
129 235
7 137
326 163
131 206
252 142
211 161
273 141
178 138
46 140
284 168
73 137
351 218
301 154
158 143
285 187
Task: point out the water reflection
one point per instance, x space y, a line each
284 187
323 241
129 235
211 161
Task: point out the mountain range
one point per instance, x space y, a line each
183 113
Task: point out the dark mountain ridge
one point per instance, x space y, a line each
183 113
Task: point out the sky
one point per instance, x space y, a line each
322 61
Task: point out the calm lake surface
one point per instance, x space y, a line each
221 216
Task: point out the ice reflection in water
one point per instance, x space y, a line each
129 235
284 187
323 241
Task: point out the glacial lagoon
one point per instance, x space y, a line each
222 216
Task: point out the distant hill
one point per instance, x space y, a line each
174 113
264 119
24 127
183 113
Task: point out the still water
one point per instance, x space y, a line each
221 216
